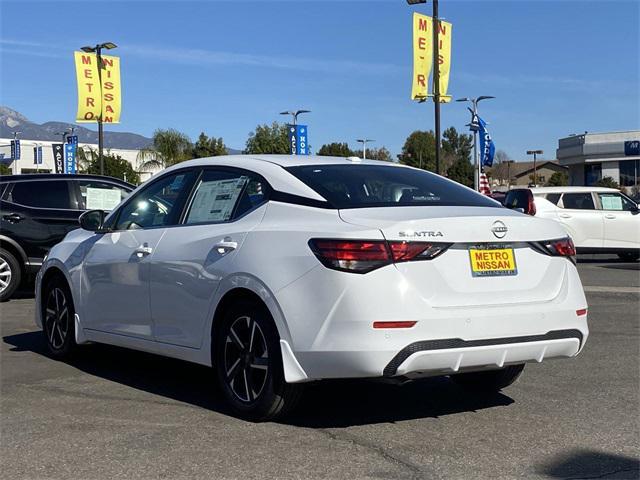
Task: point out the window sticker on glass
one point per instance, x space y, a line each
177 183
611 202
102 198
215 199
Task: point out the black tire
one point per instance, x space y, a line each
58 318
10 274
629 256
489 381
248 364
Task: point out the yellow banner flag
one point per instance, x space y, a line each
422 55
444 62
98 99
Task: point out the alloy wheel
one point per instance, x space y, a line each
5 274
57 318
246 359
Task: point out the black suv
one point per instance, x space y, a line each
37 211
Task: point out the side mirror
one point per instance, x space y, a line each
92 220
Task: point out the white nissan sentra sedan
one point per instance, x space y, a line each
281 270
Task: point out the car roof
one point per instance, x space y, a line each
567 189
288 160
24 177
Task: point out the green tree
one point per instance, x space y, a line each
169 147
336 149
419 150
272 138
5 169
208 147
558 179
608 182
114 165
461 171
456 154
375 154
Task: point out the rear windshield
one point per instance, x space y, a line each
357 186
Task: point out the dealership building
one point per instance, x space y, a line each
590 157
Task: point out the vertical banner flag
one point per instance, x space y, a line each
298 140
95 99
422 55
69 158
37 155
487 148
15 149
58 157
444 62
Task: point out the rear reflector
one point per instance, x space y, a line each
582 311
393 324
362 256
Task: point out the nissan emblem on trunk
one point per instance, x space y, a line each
499 229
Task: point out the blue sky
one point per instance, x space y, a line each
556 67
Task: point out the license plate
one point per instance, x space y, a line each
492 262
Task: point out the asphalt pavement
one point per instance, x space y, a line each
114 413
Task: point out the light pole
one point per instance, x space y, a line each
534 153
364 142
15 161
474 126
98 51
294 114
436 74
509 162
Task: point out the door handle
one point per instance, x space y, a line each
564 215
225 247
143 251
610 215
13 218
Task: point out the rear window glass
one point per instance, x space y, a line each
42 194
357 186
518 198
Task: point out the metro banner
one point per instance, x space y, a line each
96 100
423 57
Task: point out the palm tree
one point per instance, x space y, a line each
169 147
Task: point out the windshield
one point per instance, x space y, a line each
357 186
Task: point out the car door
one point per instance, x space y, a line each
116 268
38 214
582 220
621 221
193 258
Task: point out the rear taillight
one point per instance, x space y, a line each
562 247
362 256
531 206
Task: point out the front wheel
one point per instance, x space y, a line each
629 256
490 381
248 363
58 318
10 274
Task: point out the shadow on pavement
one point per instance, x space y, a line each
591 464
623 266
324 404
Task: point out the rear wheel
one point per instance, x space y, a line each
58 318
491 381
248 363
10 274
629 256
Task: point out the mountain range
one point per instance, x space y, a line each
11 121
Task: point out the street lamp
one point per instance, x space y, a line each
473 126
364 142
436 74
294 114
534 153
98 51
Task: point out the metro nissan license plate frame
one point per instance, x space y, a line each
496 252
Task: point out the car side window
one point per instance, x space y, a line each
578 201
553 198
222 195
615 201
96 195
158 205
53 194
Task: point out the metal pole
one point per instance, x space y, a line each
535 181
436 80
100 129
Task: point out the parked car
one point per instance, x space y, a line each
37 211
281 270
599 220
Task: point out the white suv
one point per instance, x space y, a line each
599 220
